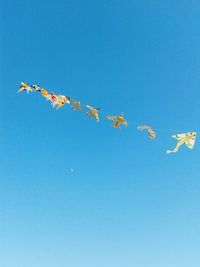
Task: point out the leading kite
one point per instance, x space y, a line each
187 139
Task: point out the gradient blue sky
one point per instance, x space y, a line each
127 203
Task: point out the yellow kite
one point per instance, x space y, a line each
118 120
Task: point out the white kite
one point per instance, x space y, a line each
152 134
187 139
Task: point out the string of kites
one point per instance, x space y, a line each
58 101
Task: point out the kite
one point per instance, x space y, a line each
60 101
77 105
48 96
52 96
152 134
93 113
25 87
36 88
118 120
186 138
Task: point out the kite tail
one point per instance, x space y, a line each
175 149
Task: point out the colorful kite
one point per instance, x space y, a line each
152 134
25 87
51 97
77 105
93 113
60 101
118 120
186 138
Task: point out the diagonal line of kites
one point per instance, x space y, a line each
58 101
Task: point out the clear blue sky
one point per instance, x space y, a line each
127 203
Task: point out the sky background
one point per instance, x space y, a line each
127 203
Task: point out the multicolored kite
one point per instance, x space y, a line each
25 87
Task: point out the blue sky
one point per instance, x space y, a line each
127 203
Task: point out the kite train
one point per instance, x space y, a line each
58 101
